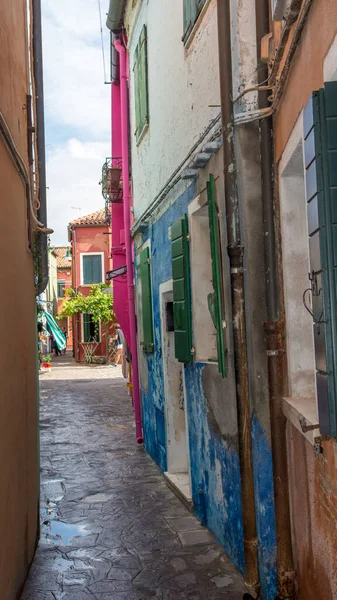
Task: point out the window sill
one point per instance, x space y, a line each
190 38
302 410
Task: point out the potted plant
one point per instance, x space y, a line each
46 362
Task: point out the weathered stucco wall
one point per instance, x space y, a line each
211 409
183 83
18 352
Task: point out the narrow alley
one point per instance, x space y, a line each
110 527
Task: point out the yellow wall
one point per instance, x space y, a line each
18 390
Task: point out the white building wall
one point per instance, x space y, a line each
183 82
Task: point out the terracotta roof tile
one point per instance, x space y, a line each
96 218
61 261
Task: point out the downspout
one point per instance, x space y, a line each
274 329
235 252
40 142
128 241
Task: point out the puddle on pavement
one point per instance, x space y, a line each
59 531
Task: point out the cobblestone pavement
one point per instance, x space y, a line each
111 529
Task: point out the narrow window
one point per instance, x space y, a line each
60 288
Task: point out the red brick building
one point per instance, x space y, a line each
90 238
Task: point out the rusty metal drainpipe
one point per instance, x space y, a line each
235 252
274 329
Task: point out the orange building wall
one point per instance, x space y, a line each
312 478
19 480
89 239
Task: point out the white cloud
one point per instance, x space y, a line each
73 175
77 108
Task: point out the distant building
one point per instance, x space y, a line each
90 238
64 280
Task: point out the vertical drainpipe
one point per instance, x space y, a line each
128 241
42 191
235 252
40 141
274 333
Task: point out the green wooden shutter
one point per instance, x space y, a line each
141 84
144 104
190 15
87 269
217 304
181 291
136 91
145 276
96 262
320 129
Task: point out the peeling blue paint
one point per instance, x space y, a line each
265 513
215 469
214 461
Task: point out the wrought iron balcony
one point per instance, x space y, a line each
112 188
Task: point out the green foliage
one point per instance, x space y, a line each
46 358
97 303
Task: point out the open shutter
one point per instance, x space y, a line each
144 112
145 276
320 129
140 84
137 92
217 303
181 291
190 13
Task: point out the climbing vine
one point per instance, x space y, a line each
97 303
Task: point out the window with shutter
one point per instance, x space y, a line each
91 269
216 299
146 299
141 84
320 130
181 291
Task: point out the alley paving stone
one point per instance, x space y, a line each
110 527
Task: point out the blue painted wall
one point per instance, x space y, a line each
215 467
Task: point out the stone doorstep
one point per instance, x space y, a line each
179 484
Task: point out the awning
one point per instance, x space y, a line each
59 336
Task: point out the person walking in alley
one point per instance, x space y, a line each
119 340
54 346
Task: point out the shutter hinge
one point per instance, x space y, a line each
224 324
148 260
193 350
188 237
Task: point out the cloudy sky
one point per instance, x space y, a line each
77 109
